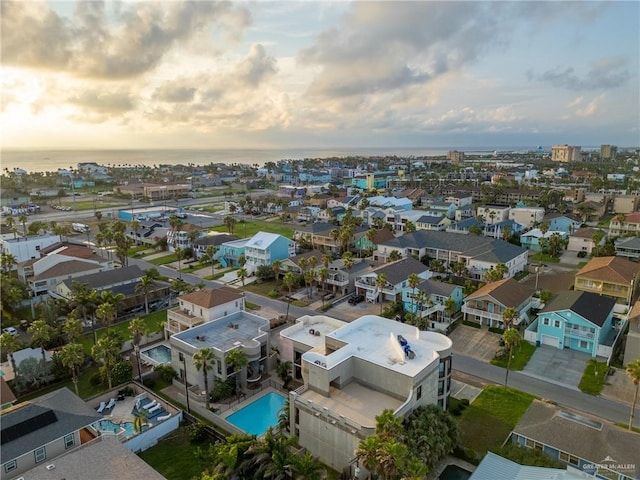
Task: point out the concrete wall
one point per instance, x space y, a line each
148 439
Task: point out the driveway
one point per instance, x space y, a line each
344 310
474 342
564 367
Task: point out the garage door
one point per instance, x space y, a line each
549 340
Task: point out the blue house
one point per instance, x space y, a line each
531 239
564 224
581 321
428 301
230 252
263 248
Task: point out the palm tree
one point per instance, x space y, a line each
413 280
208 258
7 261
23 220
203 360
237 360
106 312
180 254
348 260
288 281
323 275
307 467
10 344
276 265
146 284
73 328
511 339
381 282
633 371
450 307
41 333
138 329
508 316
72 357
242 274
107 352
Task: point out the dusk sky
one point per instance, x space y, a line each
319 74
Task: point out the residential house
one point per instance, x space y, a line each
487 304
398 219
494 466
604 450
494 213
477 253
463 226
203 306
231 252
445 209
321 235
432 222
42 429
613 277
341 279
416 195
627 227
27 248
591 211
527 216
292 264
237 330
147 233
497 230
563 223
429 299
459 199
580 321
263 248
363 244
632 339
353 372
628 247
181 238
396 274
582 240
391 202
531 239
7 397
201 245
625 203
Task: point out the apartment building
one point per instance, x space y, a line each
565 153
526 216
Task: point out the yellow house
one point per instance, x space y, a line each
613 277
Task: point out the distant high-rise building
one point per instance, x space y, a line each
608 152
565 153
455 156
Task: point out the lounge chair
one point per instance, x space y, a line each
163 417
149 406
101 408
154 409
111 404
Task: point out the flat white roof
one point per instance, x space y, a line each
305 328
375 339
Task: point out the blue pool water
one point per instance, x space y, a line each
159 353
258 416
111 427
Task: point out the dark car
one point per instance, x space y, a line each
356 299
582 254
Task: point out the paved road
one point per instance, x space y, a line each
570 397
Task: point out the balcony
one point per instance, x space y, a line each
579 333
430 310
184 318
481 313
339 283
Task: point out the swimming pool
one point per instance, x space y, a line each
258 416
158 354
454 472
111 427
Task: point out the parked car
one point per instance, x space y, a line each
356 299
10 331
582 254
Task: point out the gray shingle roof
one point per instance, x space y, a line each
110 277
435 287
69 412
399 270
590 306
216 239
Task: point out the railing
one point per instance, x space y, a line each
233 405
579 333
481 313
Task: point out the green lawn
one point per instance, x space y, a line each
593 377
152 321
522 355
174 457
248 229
543 257
487 422
262 288
164 260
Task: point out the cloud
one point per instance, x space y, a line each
126 42
592 107
97 105
175 92
606 73
382 46
256 66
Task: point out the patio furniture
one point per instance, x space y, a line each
101 408
164 417
111 404
150 405
154 409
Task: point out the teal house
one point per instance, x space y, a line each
230 252
581 321
429 298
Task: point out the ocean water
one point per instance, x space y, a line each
52 160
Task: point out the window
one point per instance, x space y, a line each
545 321
10 465
566 457
441 387
584 344
556 323
69 441
419 393
40 454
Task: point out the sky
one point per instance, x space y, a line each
257 74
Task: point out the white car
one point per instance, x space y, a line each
10 331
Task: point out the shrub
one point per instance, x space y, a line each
466 454
197 432
469 323
223 389
274 294
121 373
167 372
496 330
95 379
265 273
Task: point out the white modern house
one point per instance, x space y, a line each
26 248
353 372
